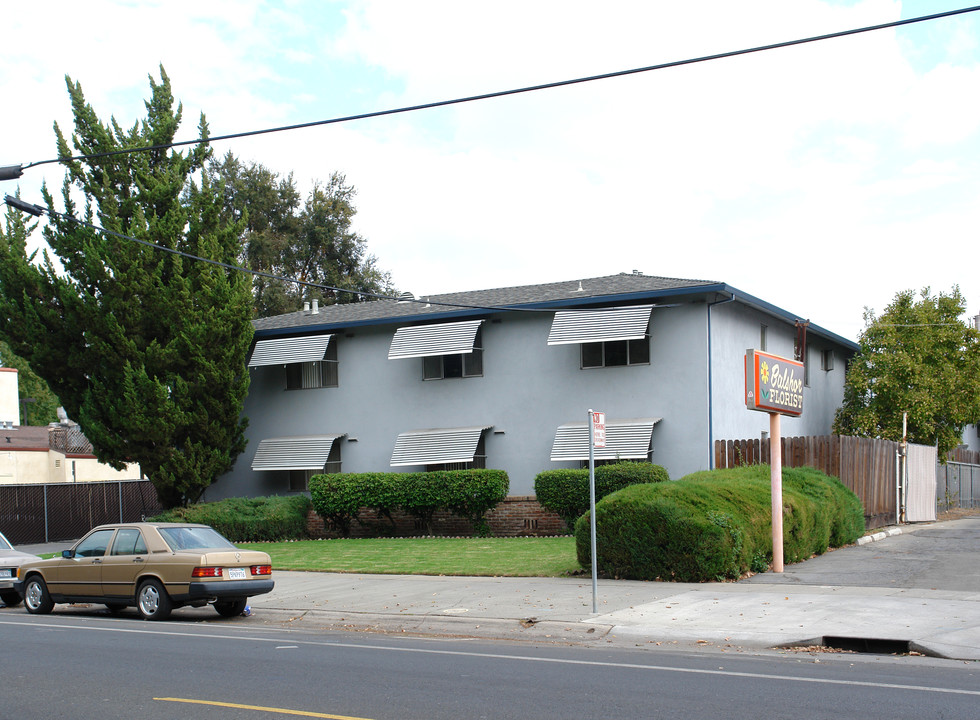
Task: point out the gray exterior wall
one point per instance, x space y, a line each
737 328
527 390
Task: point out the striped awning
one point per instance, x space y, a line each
294 453
281 351
601 325
442 339
437 446
625 440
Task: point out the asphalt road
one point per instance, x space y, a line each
80 665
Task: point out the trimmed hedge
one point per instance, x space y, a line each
717 524
566 491
248 519
338 497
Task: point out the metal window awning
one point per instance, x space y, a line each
437 446
625 440
294 453
441 339
603 325
282 351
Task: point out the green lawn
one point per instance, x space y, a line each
522 557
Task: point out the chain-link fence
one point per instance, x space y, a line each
957 485
31 514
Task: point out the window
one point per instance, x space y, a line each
129 541
616 353
827 360
440 448
317 374
627 439
299 480
439 367
95 544
479 460
763 337
806 367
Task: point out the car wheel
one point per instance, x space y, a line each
231 608
10 598
115 608
152 601
36 597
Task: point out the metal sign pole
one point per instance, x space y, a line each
592 520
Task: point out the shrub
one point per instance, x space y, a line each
715 525
466 493
566 491
336 497
248 519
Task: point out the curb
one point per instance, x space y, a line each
526 629
879 536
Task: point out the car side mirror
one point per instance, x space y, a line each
66 554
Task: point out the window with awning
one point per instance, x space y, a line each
625 440
438 446
447 349
311 452
440 339
601 325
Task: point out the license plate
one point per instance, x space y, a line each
236 574
6 573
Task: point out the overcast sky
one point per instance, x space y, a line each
822 178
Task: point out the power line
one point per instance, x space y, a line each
38 210
8 172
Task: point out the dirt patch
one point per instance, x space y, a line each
957 513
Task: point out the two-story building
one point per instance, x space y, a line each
504 378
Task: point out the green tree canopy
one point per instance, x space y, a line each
918 358
312 240
145 348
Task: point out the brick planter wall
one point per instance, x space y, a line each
518 515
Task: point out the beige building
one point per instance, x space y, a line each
57 453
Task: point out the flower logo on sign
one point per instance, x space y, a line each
764 372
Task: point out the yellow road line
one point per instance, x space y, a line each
281 711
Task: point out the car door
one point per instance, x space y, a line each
126 557
81 575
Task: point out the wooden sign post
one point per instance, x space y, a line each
774 385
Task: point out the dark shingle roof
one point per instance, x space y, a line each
559 293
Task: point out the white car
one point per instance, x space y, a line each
10 560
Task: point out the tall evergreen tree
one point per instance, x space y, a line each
919 358
311 240
145 348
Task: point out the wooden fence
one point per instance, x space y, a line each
865 466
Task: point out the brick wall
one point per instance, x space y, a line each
518 515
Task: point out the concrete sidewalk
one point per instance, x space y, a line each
918 585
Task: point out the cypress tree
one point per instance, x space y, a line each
145 348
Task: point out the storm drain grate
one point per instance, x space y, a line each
875 646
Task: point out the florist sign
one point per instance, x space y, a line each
773 384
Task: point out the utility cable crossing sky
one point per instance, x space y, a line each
11 172
15 171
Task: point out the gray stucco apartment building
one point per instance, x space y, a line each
504 378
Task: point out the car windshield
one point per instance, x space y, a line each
194 538
4 545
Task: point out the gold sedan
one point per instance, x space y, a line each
155 566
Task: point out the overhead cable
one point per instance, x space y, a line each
14 170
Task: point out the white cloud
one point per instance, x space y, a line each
855 152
